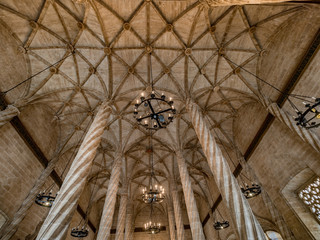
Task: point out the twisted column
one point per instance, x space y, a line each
306 135
177 211
121 216
171 221
58 220
129 222
192 210
7 114
246 225
110 202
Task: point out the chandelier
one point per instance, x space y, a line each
155 194
45 198
310 118
80 232
250 192
221 225
154 111
151 227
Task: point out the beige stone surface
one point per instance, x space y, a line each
192 46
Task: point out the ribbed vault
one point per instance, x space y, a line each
104 50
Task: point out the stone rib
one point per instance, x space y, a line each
7 114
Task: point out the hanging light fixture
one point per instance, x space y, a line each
154 111
152 227
219 225
80 232
251 191
248 191
45 198
155 194
310 118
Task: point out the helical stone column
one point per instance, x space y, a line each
58 220
110 201
122 216
177 210
129 220
192 210
171 221
245 223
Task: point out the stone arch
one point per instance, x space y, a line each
300 210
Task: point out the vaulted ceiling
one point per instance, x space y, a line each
103 49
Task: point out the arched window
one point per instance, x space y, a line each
292 191
272 235
310 196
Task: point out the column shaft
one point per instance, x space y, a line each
57 222
129 222
121 217
171 222
246 225
192 210
178 214
110 202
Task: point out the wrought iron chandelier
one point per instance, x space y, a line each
154 111
45 198
250 192
155 194
310 118
80 232
221 225
152 227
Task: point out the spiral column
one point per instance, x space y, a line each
7 114
192 209
177 211
129 222
122 216
110 202
58 220
171 221
245 223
